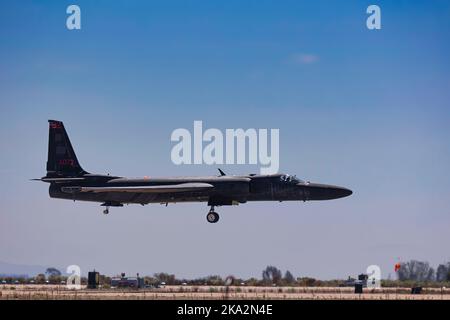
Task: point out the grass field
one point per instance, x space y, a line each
54 292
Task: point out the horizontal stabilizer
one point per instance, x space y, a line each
183 187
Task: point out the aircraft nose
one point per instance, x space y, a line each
327 192
341 192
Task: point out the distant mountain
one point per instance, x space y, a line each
10 269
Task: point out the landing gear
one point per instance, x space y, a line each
108 204
212 217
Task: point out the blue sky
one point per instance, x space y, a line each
364 109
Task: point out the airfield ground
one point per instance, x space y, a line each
51 292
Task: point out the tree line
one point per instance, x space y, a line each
410 273
421 271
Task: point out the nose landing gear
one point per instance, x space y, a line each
106 211
212 217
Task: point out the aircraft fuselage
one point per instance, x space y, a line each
226 190
68 180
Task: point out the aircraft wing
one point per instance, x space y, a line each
59 180
183 187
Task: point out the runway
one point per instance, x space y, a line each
60 292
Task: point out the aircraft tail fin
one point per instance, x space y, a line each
61 160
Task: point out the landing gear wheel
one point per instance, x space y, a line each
212 217
106 211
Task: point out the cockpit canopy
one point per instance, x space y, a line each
290 179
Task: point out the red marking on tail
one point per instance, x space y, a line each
67 162
55 125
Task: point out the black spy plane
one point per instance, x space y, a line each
69 181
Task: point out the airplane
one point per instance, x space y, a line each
68 180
